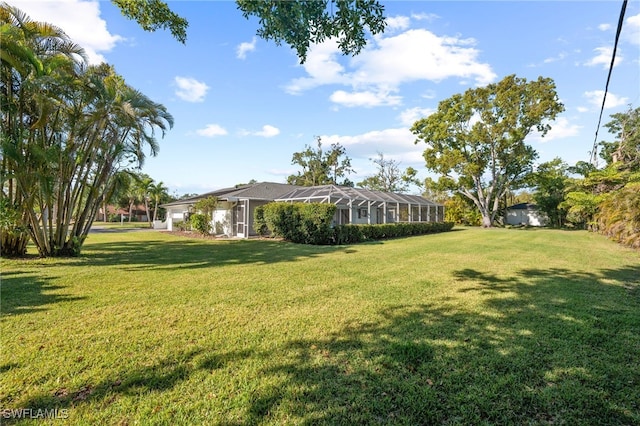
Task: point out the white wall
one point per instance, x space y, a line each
222 219
176 214
526 217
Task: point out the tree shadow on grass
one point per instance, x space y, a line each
23 293
162 375
542 346
185 253
550 346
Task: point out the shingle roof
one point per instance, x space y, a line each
256 191
523 206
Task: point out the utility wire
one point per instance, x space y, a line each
606 88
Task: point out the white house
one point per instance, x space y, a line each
525 214
236 206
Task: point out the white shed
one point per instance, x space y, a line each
525 214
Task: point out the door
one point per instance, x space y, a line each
239 220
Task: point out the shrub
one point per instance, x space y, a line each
619 215
349 234
259 222
181 225
308 223
201 223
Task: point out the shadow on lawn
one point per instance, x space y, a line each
548 346
23 293
186 253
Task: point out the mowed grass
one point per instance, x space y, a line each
467 327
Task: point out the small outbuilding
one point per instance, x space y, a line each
525 214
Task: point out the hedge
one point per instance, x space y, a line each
310 223
349 234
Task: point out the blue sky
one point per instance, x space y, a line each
242 106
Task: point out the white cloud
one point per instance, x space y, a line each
390 61
604 27
80 20
397 23
559 57
409 116
245 47
595 97
429 17
322 67
364 99
560 129
212 130
190 89
582 109
268 131
391 142
603 58
631 30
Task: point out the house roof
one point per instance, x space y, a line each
345 194
257 191
325 193
523 206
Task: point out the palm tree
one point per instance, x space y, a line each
143 189
36 57
157 191
66 132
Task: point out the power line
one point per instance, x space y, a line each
606 88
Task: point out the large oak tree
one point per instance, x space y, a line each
476 140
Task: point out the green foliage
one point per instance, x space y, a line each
550 181
201 222
306 223
461 211
68 129
481 133
71 248
624 152
14 235
321 167
152 15
259 222
580 207
311 223
351 234
619 215
182 225
206 205
298 23
301 23
389 178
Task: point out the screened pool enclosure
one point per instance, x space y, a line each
363 206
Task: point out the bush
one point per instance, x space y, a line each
201 223
181 225
311 223
259 222
307 223
349 234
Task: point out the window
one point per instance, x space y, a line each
362 213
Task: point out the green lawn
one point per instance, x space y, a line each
467 327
